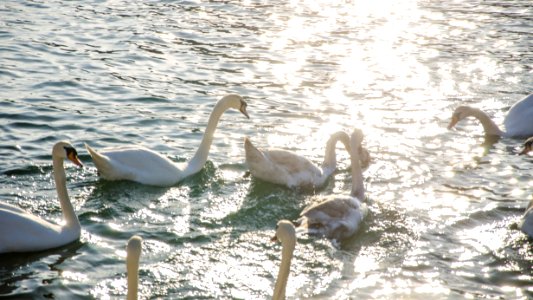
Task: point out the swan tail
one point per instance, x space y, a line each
100 161
252 153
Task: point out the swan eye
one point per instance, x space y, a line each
70 151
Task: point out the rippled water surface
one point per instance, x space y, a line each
112 73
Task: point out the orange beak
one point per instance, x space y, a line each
453 122
74 158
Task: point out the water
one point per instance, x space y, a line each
111 73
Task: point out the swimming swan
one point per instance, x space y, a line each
292 170
518 122
23 232
145 166
339 217
286 234
133 251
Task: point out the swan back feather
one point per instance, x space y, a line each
335 217
519 120
281 167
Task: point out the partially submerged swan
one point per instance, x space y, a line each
286 234
518 122
133 251
145 166
292 170
338 217
21 231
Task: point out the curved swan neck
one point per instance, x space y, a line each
61 187
488 125
358 189
200 157
330 157
284 269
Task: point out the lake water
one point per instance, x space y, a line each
112 73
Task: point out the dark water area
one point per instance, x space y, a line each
114 73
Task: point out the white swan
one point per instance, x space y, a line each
24 232
518 122
292 170
148 167
528 145
133 251
339 217
286 234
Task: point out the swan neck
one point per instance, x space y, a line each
284 269
200 157
488 125
330 156
358 189
61 187
133 278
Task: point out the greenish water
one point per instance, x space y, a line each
121 72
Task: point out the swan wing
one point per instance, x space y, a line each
24 232
336 217
519 119
294 169
137 164
282 167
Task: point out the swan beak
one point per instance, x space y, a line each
453 122
243 111
274 238
74 158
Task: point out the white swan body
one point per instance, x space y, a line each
526 223
339 217
518 122
148 167
23 232
133 252
286 234
292 170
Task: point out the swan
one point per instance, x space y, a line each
145 166
133 252
518 122
292 170
528 144
338 217
286 234
21 231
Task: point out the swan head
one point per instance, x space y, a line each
65 150
527 146
285 232
134 248
459 113
237 102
